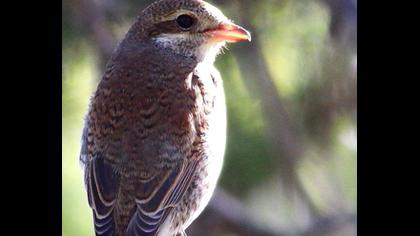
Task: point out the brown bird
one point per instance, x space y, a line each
154 136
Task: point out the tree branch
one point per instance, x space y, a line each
228 214
284 136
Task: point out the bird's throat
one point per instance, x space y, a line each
197 48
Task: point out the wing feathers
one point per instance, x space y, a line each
142 225
181 187
151 214
104 227
103 185
156 200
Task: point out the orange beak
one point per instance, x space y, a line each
231 33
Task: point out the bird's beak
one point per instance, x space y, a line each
229 32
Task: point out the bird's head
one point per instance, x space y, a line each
192 28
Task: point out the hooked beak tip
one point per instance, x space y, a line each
231 33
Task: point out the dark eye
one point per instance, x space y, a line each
185 21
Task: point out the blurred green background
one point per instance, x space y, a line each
291 157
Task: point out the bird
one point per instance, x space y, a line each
154 134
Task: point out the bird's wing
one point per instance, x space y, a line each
160 192
166 191
102 185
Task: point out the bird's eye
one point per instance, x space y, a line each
185 21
